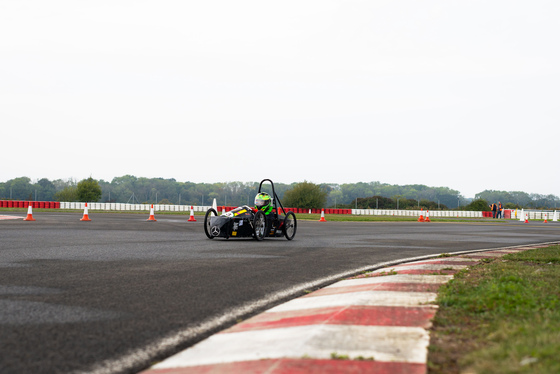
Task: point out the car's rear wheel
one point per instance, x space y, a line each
207 222
259 225
290 225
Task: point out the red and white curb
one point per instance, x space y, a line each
376 323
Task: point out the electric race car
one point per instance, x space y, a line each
246 221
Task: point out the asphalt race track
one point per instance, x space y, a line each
119 293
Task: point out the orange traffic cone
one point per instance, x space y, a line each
545 217
152 218
29 214
85 217
191 218
323 216
427 216
526 217
421 218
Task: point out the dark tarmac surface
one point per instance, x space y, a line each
118 293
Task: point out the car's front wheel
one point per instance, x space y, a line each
259 225
208 222
290 225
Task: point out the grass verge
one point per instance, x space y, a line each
501 316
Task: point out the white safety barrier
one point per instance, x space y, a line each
132 207
537 214
416 213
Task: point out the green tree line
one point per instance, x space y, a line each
132 189
519 199
346 194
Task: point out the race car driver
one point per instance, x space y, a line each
263 202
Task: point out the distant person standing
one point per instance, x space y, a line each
494 208
499 211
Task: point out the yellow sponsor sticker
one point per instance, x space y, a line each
234 233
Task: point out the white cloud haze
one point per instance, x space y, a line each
457 94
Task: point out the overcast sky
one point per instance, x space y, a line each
462 94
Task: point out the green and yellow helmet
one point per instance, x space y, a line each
263 201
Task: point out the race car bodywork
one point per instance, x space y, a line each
246 221
238 222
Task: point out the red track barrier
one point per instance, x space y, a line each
27 203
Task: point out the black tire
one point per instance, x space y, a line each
259 225
207 217
290 225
